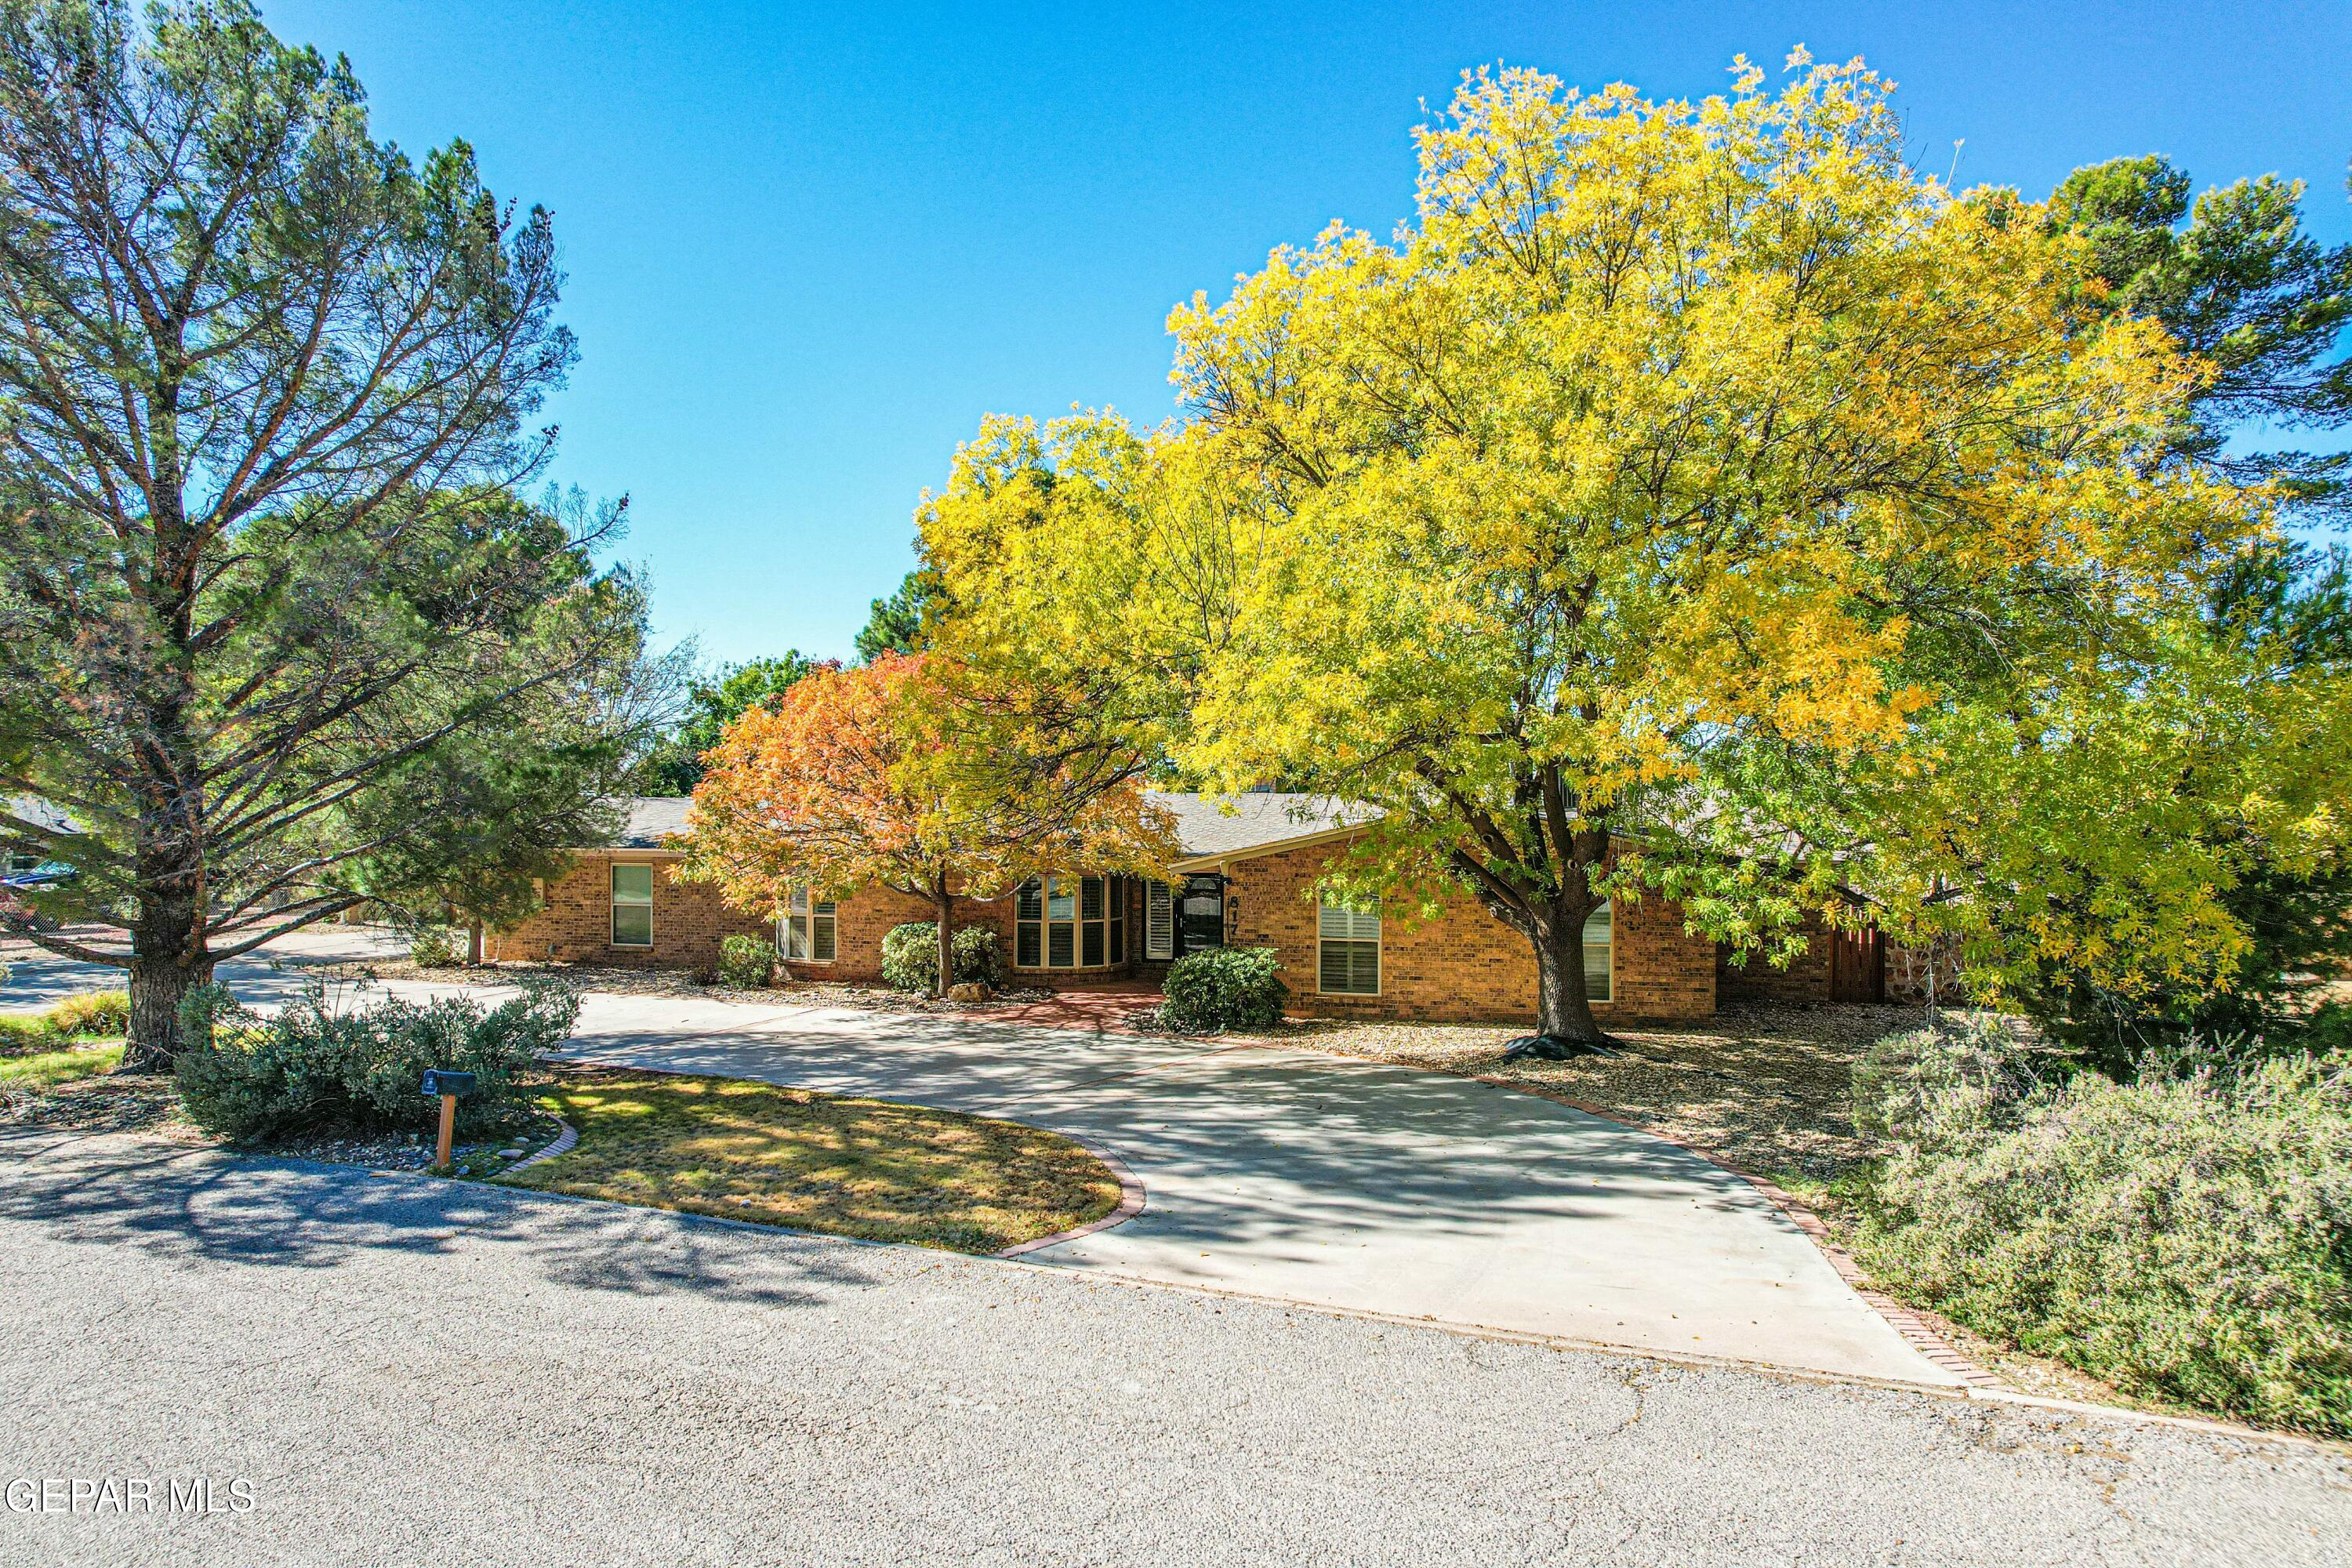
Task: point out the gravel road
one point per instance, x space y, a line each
405 1370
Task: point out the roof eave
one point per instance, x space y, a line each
1210 860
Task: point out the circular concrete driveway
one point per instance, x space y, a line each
1306 1177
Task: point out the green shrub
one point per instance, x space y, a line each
976 958
92 1012
2185 1238
746 963
2329 1030
437 947
1223 988
246 1076
910 956
1913 1085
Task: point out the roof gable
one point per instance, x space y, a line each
1211 825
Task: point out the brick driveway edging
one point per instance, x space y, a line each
564 1142
1130 1202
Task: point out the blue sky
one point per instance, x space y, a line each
809 246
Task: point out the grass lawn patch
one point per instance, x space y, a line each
864 1168
38 1070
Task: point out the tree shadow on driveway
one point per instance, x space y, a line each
263 1212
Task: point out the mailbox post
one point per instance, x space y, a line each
448 1086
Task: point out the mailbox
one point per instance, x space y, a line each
438 1083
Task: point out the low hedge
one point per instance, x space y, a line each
2187 1238
910 956
1223 988
249 1075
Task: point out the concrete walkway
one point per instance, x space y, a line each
1305 1177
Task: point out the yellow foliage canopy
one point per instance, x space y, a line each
1698 473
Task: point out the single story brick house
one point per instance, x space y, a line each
1250 865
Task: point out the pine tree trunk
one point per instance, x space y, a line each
474 943
159 978
943 904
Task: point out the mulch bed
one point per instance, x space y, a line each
1766 1088
114 1102
378 1151
150 1104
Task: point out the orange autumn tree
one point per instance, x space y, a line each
856 777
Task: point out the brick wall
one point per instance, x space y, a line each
1463 965
575 925
866 917
690 920
1806 978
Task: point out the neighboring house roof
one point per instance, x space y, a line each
1214 825
651 819
34 812
1208 826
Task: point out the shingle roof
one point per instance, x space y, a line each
1228 825
1205 825
651 819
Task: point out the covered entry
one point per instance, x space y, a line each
1187 918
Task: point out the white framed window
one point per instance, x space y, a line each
812 930
1347 949
1159 920
1069 923
1600 955
632 904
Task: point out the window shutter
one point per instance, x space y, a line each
1597 937
1347 956
1159 920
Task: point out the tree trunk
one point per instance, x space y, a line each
161 976
943 906
474 943
1563 1005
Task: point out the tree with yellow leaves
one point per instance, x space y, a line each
1693 496
858 777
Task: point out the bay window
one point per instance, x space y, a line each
1069 923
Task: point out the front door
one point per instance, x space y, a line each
1200 914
